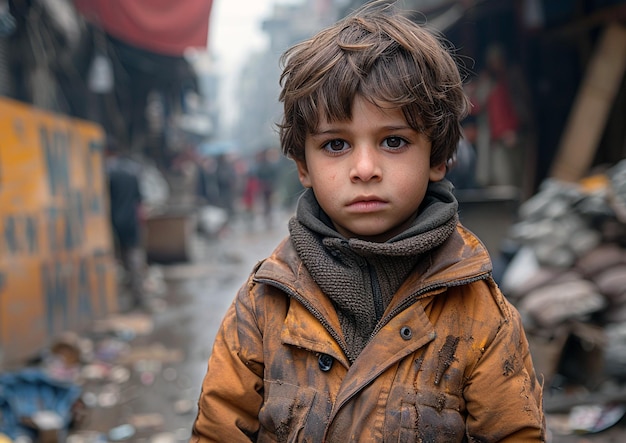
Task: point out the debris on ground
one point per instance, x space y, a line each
567 277
35 406
51 400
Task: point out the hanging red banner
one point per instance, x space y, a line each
162 26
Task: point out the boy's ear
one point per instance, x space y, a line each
303 173
437 172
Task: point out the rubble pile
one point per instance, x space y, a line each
567 277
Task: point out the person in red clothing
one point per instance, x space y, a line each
250 194
503 103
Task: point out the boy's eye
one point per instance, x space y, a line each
394 142
336 145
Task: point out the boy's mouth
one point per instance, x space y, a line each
366 204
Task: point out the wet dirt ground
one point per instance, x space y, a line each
167 359
154 399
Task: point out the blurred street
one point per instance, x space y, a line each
148 390
97 91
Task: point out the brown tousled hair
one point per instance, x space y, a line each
386 58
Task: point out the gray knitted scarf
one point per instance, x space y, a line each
361 277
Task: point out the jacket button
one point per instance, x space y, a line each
325 362
406 333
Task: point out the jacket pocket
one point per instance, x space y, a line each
284 414
422 421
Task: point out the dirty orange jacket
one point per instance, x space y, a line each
449 361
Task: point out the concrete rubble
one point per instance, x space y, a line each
567 277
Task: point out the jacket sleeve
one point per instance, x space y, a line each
503 396
232 388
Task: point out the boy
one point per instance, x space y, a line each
378 318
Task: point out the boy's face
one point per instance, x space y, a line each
369 174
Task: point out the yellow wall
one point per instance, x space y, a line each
57 270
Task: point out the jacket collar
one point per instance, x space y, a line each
462 258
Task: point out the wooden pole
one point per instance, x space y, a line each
591 108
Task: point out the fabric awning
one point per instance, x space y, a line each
162 26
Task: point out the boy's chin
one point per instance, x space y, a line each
374 236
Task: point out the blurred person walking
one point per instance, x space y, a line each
127 216
266 172
226 178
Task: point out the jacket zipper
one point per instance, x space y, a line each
295 295
376 292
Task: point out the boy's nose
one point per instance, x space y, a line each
365 166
